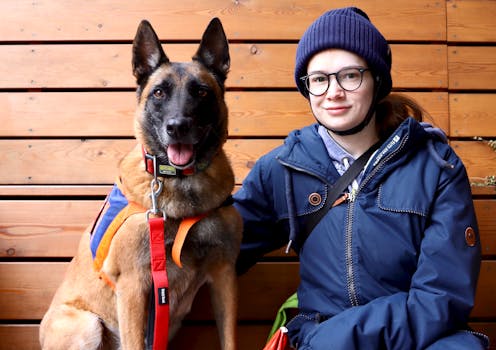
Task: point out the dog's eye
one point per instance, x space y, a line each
158 93
202 92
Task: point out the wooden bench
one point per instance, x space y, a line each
67 102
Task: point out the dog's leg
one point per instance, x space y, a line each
131 306
66 327
223 292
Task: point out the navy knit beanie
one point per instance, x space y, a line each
348 29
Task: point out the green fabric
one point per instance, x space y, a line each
281 317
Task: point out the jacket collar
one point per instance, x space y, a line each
304 149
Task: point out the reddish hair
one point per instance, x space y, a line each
392 110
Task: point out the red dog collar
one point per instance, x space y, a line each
154 167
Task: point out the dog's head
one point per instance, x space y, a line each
181 116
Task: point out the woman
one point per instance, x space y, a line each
394 264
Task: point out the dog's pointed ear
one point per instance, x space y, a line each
213 52
148 54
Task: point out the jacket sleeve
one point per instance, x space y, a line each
262 231
442 289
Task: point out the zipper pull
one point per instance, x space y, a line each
341 199
352 195
354 191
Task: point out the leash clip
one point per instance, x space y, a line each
156 186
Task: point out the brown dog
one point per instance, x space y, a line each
181 126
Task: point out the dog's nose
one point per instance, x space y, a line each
178 127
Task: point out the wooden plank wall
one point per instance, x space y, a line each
66 110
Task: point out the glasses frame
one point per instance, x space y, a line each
360 69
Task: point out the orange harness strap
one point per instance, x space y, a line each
181 234
104 246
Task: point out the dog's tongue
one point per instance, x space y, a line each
180 153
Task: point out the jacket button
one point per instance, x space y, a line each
470 237
315 199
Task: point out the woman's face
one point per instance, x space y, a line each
338 109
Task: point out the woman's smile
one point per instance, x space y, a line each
337 111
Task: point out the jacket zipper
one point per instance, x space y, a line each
350 271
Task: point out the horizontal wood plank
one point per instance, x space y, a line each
45 191
62 161
54 190
478 157
19 336
472 67
485 210
256 65
59 191
102 114
266 286
486 289
53 227
471 20
32 285
95 161
44 228
481 188
472 115
61 20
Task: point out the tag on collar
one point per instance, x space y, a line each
164 169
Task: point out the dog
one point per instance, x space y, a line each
177 170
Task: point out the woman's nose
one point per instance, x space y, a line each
335 91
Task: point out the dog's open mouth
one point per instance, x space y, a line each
181 155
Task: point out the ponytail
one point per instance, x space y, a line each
392 110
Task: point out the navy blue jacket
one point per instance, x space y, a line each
397 266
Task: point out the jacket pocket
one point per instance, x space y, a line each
401 199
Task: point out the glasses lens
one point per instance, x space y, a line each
350 78
317 83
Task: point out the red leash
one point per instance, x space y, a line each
160 283
158 260
158 267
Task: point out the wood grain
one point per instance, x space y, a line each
33 286
24 20
472 67
111 113
94 161
478 157
253 65
53 227
471 20
472 115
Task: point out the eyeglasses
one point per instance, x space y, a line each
349 79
